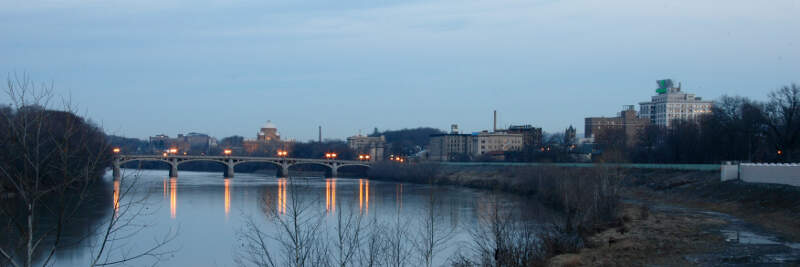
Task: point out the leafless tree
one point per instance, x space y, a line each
50 160
299 231
783 118
130 204
435 230
348 236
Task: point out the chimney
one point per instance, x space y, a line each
320 134
494 127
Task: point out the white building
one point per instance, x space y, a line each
485 142
671 104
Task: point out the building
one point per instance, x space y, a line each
627 121
268 133
190 143
159 142
370 145
670 104
451 146
501 141
531 136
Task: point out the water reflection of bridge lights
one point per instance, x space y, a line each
363 195
173 196
116 196
330 195
227 197
399 197
281 207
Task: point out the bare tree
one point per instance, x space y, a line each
130 203
348 236
299 232
783 118
435 230
50 160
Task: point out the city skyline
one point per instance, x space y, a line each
140 69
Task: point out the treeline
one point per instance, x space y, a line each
407 141
737 129
45 150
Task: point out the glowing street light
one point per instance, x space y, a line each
363 157
164 155
227 152
173 150
116 150
283 153
330 155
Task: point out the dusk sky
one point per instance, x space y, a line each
145 67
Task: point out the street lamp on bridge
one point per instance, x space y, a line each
227 152
116 150
283 153
330 155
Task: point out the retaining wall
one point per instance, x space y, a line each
773 173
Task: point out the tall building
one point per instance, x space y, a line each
371 145
627 120
531 136
268 133
670 104
450 146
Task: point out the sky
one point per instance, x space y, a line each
145 67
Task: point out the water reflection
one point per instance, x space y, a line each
282 195
398 198
330 195
173 196
227 197
363 195
116 196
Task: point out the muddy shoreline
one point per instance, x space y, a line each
669 217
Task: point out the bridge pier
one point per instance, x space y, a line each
173 170
334 170
284 171
229 172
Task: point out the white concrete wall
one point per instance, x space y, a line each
729 171
775 173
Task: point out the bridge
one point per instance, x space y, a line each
231 161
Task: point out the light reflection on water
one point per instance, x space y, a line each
206 237
116 196
227 196
173 197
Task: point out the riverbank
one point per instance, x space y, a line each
669 217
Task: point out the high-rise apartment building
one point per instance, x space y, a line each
670 104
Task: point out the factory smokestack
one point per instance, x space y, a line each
320 134
494 127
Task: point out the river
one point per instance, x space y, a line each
207 216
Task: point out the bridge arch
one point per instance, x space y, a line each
280 171
330 170
353 170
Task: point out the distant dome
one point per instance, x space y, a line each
269 125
